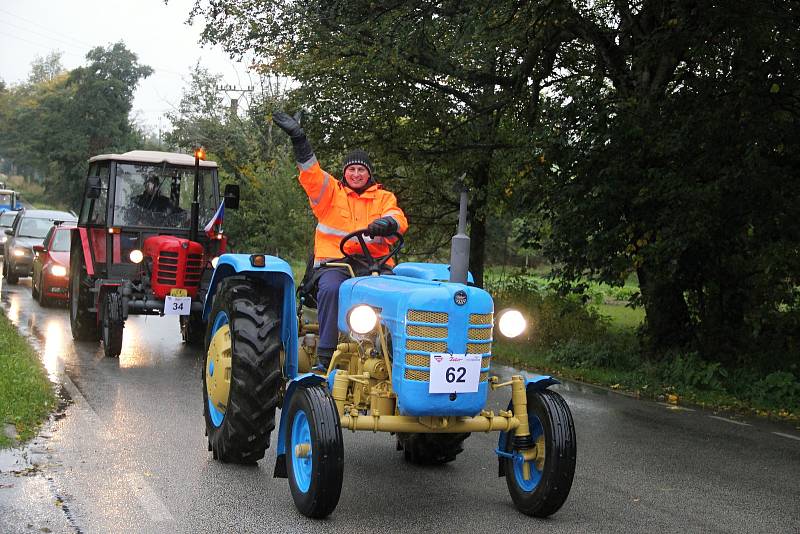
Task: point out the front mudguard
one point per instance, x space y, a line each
308 380
537 383
276 274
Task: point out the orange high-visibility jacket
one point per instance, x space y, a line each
340 210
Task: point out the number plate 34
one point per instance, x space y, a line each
454 373
177 305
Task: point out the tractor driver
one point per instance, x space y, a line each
152 199
341 207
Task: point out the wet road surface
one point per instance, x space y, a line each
129 455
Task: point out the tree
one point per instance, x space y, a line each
671 152
432 89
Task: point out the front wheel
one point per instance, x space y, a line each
193 330
10 273
113 325
241 373
82 321
314 452
549 477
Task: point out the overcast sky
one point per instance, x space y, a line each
156 33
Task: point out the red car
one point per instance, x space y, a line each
50 277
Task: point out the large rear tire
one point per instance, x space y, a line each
314 451
550 480
241 373
82 322
431 449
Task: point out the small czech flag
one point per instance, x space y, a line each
213 226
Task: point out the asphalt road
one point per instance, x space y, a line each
129 455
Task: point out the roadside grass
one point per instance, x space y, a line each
26 395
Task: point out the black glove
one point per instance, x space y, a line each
384 226
302 148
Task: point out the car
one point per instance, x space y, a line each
29 228
6 221
49 281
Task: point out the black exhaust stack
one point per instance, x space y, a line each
459 245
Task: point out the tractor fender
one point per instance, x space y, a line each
306 379
275 273
535 383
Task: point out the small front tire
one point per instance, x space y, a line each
550 480
82 322
314 452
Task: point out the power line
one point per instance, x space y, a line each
50 30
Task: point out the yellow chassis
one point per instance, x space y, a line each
362 391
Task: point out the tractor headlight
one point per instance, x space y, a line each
362 319
214 262
58 270
511 323
19 252
136 255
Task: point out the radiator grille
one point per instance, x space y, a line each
481 318
480 333
426 346
441 333
427 331
427 317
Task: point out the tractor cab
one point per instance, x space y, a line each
147 235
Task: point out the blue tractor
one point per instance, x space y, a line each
414 359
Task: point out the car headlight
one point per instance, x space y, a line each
362 319
58 270
511 323
19 252
136 255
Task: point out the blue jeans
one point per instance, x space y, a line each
328 310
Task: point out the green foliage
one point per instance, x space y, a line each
53 124
690 370
780 388
26 396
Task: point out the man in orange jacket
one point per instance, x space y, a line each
341 207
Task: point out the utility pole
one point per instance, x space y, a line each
235 94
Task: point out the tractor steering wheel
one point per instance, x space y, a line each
368 261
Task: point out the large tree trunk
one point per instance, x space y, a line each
667 316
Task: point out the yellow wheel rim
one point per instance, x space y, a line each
218 369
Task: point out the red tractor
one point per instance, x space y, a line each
139 247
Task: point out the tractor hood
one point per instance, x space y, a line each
395 296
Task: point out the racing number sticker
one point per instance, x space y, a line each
177 305
454 373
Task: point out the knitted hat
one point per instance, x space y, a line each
357 157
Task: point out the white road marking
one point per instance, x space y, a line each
148 498
787 435
729 420
675 407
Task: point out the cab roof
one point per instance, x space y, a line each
154 157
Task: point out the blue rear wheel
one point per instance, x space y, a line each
315 452
539 486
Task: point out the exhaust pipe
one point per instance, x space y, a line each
459 245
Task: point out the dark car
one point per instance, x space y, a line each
6 221
30 228
50 280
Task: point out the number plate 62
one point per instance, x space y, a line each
454 373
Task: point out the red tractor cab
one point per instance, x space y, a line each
146 242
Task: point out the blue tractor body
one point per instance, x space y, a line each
425 317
